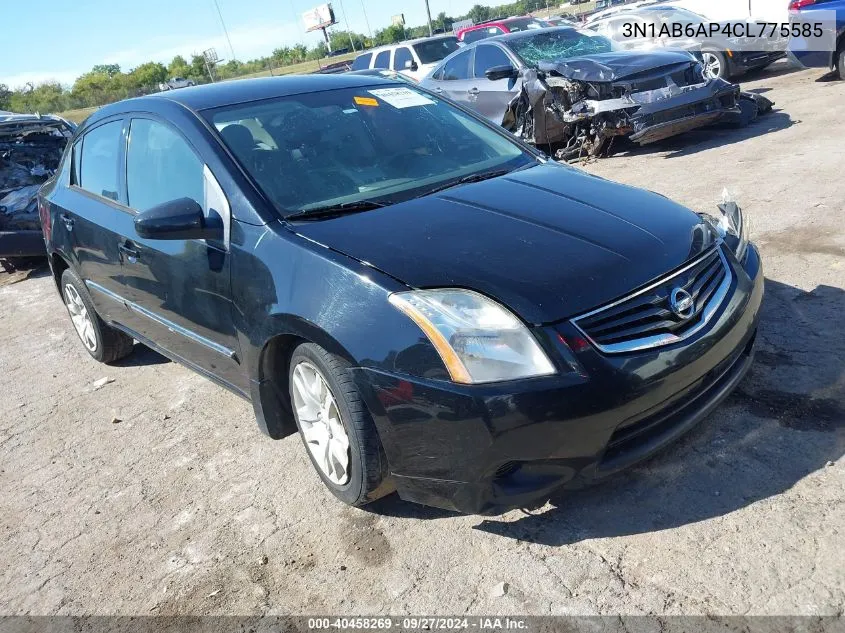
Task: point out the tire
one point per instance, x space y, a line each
366 477
715 65
105 343
840 61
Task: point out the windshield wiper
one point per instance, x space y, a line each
336 209
484 175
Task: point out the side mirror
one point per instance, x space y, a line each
410 64
180 219
501 72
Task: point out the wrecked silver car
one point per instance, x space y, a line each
571 92
31 147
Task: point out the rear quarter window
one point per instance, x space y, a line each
362 62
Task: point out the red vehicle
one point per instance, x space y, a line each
498 27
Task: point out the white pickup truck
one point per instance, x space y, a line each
176 82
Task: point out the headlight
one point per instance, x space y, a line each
732 225
478 340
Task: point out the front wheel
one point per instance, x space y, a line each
840 61
335 426
715 65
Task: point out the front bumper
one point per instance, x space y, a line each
683 113
483 449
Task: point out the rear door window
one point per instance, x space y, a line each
382 60
457 68
97 169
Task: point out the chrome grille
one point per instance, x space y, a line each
646 318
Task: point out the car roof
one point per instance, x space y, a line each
521 35
416 40
225 93
504 21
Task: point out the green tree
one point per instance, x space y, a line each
390 35
198 70
479 14
106 69
148 75
340 40
178 67
5 97
93 89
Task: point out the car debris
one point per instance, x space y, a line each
580 105
31 147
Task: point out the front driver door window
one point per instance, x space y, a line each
181 288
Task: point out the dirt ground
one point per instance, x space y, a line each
182 506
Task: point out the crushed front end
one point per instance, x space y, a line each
31 148
579 106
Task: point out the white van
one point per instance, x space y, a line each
414 58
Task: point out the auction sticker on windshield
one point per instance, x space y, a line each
401 97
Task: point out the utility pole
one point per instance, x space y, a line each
428 13
225 31
348 32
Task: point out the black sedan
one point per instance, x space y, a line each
435 307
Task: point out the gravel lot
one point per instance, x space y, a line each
184 507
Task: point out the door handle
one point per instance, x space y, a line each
127 250
473 91
438 89
67 220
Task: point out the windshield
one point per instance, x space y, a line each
524 24
379 143
434 50
562 43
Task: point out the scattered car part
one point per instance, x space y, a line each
31 147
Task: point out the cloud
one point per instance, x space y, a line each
248 43
19 80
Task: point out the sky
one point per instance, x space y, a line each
63 39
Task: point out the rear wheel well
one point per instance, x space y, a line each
58 265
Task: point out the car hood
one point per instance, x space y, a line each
615 66
549 242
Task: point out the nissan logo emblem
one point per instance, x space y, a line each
681 303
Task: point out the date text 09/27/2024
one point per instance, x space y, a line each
411 623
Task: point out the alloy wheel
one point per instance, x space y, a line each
320 421
80 317
712 66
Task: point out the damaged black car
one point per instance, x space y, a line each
31 147
571 92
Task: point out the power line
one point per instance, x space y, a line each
346 21
367 20
225 31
